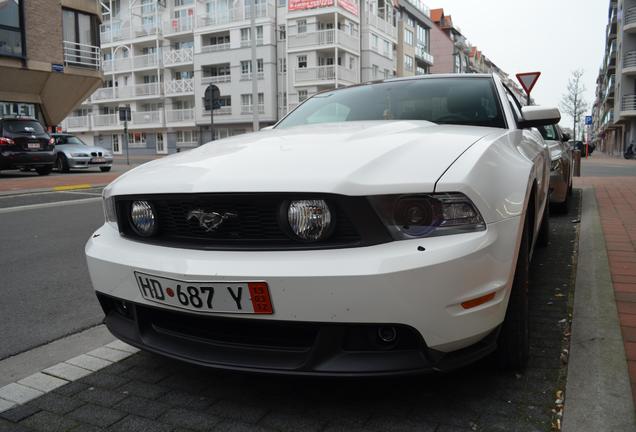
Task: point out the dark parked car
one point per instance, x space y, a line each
24 144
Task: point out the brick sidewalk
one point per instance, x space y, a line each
616 198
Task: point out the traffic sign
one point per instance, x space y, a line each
588 120
528 80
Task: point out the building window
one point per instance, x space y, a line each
409 21
259 65
282 65
421 71
81 38
458 64
245 34
246 99
137 139
408 37
302 95
246 67
178 3
302 61
187 137
408 63
11 35
302 26
282 3
376 71
282 32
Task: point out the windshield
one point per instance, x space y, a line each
64 139
23 127
459 101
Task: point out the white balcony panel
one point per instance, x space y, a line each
147 117
104 93
205 49
177 87
147 60
178 25
78 122
105 120
185 55
82 55
180 115
249 109
218 79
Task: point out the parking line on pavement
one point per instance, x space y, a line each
47 380
53 204
72 187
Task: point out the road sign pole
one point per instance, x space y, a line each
528 81
126 141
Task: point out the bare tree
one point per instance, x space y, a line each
572 102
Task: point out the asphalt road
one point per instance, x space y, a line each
44 283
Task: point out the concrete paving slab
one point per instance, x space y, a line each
110 354
89 362
598 393
6 405
19 393
67 371
122 346
42 382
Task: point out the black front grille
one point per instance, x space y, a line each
255 221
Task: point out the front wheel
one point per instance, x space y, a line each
104 169
44 171
514 340
62 164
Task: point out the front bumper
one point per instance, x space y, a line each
392 284
86 162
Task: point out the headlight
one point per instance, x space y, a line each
555 164
310 220
417 216
142 218
79 154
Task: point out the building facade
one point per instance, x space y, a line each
414 39
159 56
46 68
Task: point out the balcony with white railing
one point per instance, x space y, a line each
216 79
421 53
249 109
178 57
78 123
117 65
629 103
147 117
629 63
82 55
322 38
226 16
147 61
114 31
179 87
206 49
105 120
178 25
381 24
248 76
630 20
224 110
104 93
180 115
248 43
325 74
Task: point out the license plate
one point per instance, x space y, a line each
207 297
98 160
34 145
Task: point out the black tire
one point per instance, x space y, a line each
514 339
104 169
61 163
44 171
543 238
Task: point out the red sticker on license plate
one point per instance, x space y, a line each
259 295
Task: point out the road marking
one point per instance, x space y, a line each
46 205
72 187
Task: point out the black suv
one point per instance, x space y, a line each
24 144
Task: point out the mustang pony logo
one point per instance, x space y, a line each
209 221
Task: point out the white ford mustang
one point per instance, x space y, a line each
382 228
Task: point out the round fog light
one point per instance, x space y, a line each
143 218
387 334
309 219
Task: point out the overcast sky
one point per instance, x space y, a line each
551 36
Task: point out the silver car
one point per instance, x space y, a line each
73 153
560 167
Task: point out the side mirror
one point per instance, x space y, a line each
536 116
566 137
267 128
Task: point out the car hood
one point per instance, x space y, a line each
352 158
78 148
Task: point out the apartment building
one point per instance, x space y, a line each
414 39
614 108
49 56
159 56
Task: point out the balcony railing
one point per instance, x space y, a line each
82 55
78 122
117 65
630 16
104 93
325 73
214 48
224 110
147 117
226 16
629 61
323 37
127 92
248 43
176 87
105 120
180 115
184 55
629 103
217 79
147 60
422 54
248 76
178 25
249 109
382 25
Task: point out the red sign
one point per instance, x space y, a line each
298 5
528 80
